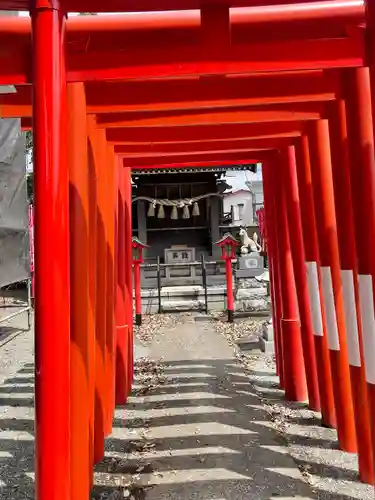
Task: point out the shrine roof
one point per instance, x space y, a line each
186 169
236 191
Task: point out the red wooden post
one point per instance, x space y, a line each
269 206
321 172
101 390
118 301
92 179
268 229
138 248
274 298
122 339
291 194
362 180
294 369
278 310
349 279
110 286
228 245
128 270
230 300
52 314
82 320
137 288
313 279
370 47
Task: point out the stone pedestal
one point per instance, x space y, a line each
250 266
267 344
251 296
179 255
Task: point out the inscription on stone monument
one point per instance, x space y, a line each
178 255
250 266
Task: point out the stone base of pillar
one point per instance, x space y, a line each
230 315
267 344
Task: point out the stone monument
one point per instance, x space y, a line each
179 254
251 263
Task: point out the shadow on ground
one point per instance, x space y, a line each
17 436
208 437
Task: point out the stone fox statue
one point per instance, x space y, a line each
248 244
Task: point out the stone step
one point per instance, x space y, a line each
182 290
192 297
182 305
248 343
253 314
198 291
252 305
251 293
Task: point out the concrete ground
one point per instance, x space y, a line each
205 433
200 425
16 405
332 473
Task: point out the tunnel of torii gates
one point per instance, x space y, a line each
228 83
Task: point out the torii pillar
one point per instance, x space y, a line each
52 315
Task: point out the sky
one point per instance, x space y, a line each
238 179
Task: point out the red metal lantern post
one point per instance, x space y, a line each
138 247
228 245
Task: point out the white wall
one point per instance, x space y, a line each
257 188
234 199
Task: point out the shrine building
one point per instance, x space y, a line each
181 216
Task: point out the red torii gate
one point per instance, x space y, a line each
262 131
